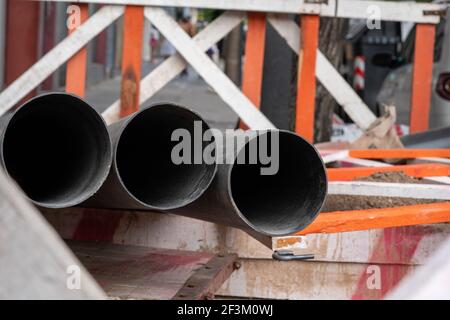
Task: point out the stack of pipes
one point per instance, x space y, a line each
163 158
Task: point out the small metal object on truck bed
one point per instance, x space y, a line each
288 255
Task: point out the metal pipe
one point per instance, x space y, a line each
144 175
273 205
431 139
57 148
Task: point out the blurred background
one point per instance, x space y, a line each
375 61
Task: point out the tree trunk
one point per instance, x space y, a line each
232 49
332 32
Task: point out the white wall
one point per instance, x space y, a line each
2 41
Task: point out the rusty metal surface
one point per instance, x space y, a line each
135 272
204 282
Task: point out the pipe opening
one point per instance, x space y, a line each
287 201
57 148
144 163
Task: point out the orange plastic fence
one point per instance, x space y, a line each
399 153
413 170
355 220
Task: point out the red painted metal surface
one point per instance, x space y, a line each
49 36
97 225
399 244
100 45
21 50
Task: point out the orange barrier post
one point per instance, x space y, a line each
252 77
77 65
131 60
422 77
413 170
356 220
306 76
399 153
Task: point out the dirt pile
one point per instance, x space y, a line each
343 202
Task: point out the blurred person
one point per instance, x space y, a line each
167 49
154 44
188 27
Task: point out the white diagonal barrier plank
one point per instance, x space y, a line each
343 157
335 156
175 64
34 261
330 78
342 92
383 10
387 189
208 70
50 62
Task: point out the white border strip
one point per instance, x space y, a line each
387 10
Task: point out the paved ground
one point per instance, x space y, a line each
190 91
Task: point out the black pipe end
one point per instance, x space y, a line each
57 148
144 163
287 201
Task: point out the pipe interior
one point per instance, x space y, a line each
144 162
287 201
57 148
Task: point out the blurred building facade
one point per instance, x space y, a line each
30 29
